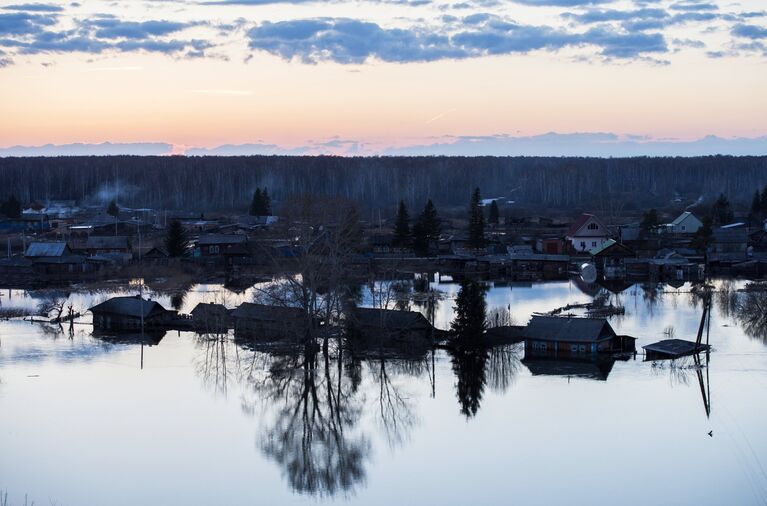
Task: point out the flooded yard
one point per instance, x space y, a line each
194 419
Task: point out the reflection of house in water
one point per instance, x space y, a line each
261 320
123 313
150 337
389 327
591 369
563 337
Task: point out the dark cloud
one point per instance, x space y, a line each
749 31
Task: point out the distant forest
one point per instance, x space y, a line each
228 183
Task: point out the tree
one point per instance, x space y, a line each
493 218
257 203
476 221
430 221
722 210
650 221
764 201
470 313
176 240
112 209
266 203
702 238
11 207
756 208
420 238
402 226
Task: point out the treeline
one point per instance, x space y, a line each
221 183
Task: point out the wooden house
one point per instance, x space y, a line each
389 327
266 321
125 313
211 317
610 259
107 245
685 223
55 261
226 246
562 337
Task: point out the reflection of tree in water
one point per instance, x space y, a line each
312 435
396 416
726 298
221 362
503 365
469 369
652 293
751 311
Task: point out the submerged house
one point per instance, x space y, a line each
262 320
610 259
389 326
560 336
211 317
127 313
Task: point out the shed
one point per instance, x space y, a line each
211 317
262 320
389 327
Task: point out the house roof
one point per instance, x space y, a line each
389 318
250 311
580 223
107 242
609 244
128 306
209 308
555 328
679 219
46 249
221 239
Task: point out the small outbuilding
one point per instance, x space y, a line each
561 336
266 321
126 313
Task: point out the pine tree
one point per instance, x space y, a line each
470 307
764 201
176 240
494 217
420 239
11 207
402 226
650 221
256 203
476 221
756 208
722 210
430 221
112 209
702 238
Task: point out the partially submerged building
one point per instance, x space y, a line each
561 336
267 321
210 317
129 313
370 326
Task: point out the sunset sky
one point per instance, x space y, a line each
386 76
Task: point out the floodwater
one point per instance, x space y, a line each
210 420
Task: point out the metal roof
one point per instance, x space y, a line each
46 249
107 242
555 328
128 306
221 239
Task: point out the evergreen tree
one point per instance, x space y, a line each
722 210
764 201
402 226
112 209
494 217
756 208
257 203
176 240
430 221
476 221
650 221
470 307
11 207
702 238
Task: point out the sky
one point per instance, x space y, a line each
370 77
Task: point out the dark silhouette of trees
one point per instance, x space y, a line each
650 221
722 210
703 237
402 226
476 221
493 217
432 225
112 209
756 208
470 314
11 207
261 205
420 239
176 241
469 367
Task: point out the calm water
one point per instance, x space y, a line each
209 420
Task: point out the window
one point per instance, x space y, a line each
574 348
593 243
683 227
213 250
593 226
583 245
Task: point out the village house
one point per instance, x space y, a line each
685 223
56 261
389 327
221 245
210 317
128 313
586 233
28 222
610 259
107 245
265 321
560 336
730 243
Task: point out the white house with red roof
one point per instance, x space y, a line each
587 233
